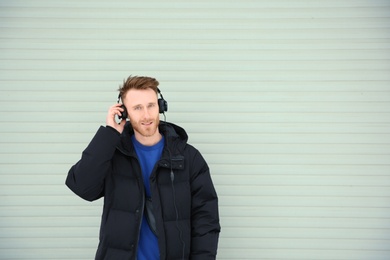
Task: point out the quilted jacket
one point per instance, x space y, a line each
184 201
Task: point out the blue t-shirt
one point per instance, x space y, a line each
148 157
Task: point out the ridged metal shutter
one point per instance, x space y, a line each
289 102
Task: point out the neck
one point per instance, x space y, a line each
148 140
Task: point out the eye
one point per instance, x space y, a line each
137 108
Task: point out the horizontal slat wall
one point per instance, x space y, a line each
289 101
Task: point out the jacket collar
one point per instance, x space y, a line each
175 142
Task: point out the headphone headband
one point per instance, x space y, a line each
162 104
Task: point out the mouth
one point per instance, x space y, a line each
147 123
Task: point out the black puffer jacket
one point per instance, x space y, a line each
109 167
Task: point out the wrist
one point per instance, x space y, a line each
112 128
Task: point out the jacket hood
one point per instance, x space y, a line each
175 137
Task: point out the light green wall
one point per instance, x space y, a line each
288 101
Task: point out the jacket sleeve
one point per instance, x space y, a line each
86 177
204 215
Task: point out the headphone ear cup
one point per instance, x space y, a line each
162 105
124 113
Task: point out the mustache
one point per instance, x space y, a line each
148 121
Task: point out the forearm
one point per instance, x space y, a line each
86 177
204 215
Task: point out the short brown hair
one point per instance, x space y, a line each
137 82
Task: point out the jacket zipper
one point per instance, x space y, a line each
142 188
141 213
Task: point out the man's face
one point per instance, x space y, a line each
143 111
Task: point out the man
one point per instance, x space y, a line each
159 199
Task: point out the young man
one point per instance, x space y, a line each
159 199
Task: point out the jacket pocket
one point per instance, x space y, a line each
118 254
120 230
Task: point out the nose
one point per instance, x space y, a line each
146 113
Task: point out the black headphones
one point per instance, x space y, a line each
162 105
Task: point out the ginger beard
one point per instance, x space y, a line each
146 127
